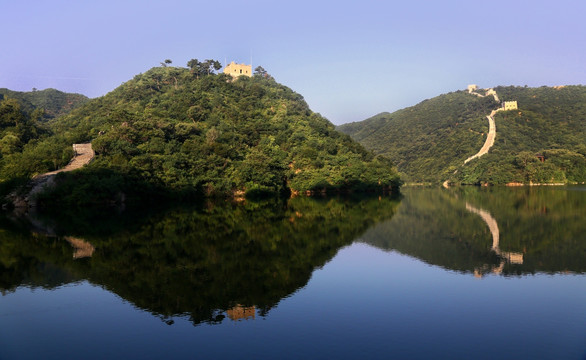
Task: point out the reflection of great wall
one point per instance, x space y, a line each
81 248
510 257
240 312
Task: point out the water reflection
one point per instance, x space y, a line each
532 230
240 312
209 263
82 248
505 256
238 261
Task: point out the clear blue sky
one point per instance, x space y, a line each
349 59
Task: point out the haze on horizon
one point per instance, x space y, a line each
349 60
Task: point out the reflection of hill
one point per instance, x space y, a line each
202 263
31 259
436 228
543 226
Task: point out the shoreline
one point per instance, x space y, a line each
513 184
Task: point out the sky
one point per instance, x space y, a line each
350 60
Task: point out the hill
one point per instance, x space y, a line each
430 141
183 131
53 102
27 145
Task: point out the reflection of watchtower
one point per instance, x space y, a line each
241 312
236 70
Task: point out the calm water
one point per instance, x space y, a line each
465 273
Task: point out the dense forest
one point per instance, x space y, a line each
192 131
542 142
27 143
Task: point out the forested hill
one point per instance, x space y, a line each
27 145
54 102
183 129
431 140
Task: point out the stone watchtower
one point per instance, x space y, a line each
509 105
236 70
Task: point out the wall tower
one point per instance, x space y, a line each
236 70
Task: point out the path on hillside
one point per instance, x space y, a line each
84 154
491 130
489 138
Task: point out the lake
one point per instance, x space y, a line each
460 273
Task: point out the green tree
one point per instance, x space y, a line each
204 68
10 113
260 71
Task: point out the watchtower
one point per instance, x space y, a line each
510 105
236 70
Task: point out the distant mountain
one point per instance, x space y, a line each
430 141
191 131
54 102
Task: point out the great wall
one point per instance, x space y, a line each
491 136
83 155
472 89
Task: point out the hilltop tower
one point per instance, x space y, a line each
236 70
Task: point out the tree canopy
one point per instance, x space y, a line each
191 130
430 141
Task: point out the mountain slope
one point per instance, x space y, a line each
27 146
184 131
431 140
427 141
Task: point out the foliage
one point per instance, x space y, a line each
211 134
26 146
101 187
428 144
204 68
430 140
542 142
